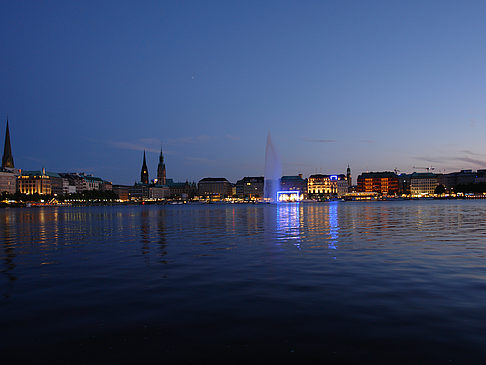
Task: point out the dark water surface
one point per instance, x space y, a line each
393 282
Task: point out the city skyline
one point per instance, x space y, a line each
378 86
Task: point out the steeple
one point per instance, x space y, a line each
348 177
7 159
161 169
144 177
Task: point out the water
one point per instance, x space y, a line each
392 282
273 172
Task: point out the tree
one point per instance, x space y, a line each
440 189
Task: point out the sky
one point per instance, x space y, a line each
379 85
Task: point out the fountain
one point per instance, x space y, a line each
273 172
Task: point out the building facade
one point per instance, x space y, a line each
423 184
384 183
38 182
8 182
294 183
215 187
250 187
327 186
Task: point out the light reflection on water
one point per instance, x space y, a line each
330 272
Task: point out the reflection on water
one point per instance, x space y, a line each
333 226
251 274
288 222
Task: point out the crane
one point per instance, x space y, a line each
428 169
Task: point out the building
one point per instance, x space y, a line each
122 191
8 182
144 176
423 184
294 183
7 158
138 192
38 182
384 183
214 186
327 186
181 190
161 175
159 192
250 187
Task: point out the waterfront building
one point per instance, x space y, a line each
7 158
423 184
39 182
294 183
144 176
122 191
159 192
327 186
181 190
138 191
161 178
217 187
250 187
404 184
8 182
384 183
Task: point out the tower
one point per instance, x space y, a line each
144 177
7 158
161 169
348 177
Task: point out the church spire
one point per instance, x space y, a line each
161 180
7 159
144 177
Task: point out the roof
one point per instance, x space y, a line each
214 179
39 173
378 174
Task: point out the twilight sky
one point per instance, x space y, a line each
376 84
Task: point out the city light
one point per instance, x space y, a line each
289 196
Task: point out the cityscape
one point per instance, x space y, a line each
70 186
254 182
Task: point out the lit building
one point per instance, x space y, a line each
289 196
122 191
214 186
384 183
423 184
38 182
294 183
181 190
326 186
8 182
349 178
250 187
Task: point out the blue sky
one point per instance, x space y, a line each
376 84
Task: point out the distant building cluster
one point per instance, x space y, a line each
370 185
42 182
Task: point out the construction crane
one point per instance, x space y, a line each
428 169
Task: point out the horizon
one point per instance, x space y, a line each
379 86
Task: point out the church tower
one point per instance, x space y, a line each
7 158
348 177
161 169
144 177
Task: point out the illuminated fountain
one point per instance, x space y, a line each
273 172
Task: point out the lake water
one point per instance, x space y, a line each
393 282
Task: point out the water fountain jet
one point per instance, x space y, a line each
273 172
